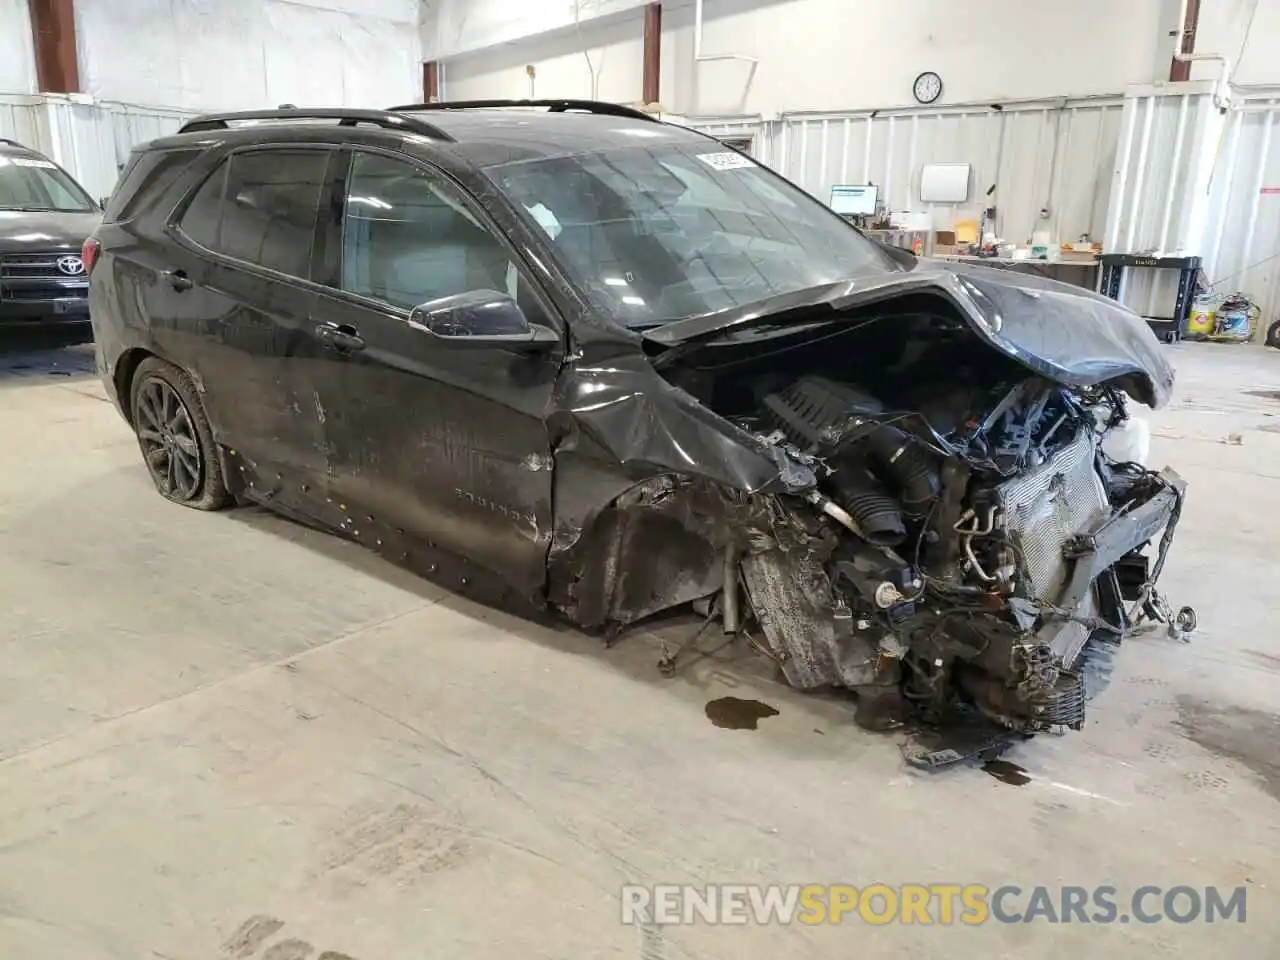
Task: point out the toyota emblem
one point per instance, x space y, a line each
71 266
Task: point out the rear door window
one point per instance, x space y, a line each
261 207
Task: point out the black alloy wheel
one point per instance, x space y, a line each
169 442
175 437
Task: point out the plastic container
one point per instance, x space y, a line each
1236 320
1201 318
1232 325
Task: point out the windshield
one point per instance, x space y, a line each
666 233
33 183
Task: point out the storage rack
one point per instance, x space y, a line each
1170 329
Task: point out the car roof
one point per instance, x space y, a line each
488 136
482 137
15 149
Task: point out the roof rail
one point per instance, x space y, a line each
346 118
553 106
12 143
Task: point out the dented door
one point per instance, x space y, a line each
444 441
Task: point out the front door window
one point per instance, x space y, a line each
408 238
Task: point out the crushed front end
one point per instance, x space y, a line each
900 496
970 566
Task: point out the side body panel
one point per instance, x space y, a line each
444 440
243 332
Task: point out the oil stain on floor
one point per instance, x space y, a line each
733 713
1007 772
1249 737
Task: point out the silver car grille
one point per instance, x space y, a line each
35 266
1047 506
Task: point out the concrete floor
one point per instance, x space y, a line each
227 736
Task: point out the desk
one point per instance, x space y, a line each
1078 273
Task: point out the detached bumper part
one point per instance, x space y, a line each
1098 553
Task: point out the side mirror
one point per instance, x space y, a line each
480 318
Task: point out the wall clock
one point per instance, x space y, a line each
928 87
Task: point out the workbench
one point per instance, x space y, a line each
1078 273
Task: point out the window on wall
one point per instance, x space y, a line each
409 238
261 207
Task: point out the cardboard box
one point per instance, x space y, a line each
1077 256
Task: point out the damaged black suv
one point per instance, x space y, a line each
572 359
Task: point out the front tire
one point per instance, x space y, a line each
175 438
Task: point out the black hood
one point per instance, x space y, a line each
1065 333
33 231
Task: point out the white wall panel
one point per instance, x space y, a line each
1158 208
1192 180
92 141
453 28
1171 140
814 53
1242 248
17 60
1222 29
239 54
826 54
615 46
22 118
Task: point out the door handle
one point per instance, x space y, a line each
341 336
178 279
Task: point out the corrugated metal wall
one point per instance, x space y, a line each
1158 206
1054 156
23 118
1045 155
1242 248
1160 186
1193 179
91 140
1160 169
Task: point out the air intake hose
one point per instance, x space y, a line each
877 513
900 460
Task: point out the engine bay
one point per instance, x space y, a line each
966 538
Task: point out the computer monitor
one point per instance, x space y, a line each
855 201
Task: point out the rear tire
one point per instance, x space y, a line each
174 436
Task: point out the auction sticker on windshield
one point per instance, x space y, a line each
726 161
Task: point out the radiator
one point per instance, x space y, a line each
1047 506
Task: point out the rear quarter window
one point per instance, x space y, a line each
145 179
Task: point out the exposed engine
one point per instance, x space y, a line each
973 558
945 533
